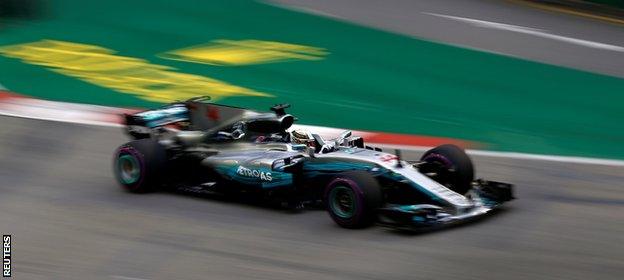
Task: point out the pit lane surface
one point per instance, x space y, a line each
506 27
69 220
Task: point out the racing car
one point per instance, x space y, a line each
207 147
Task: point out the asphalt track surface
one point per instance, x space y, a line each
69 220
537 35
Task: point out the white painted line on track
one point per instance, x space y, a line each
514 155
2 87
126 277
63 120
531 31
567 159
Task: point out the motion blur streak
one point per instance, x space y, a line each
102 67
548 93
245 52
410 18
532 31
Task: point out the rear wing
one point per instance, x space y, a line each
168 114
202 115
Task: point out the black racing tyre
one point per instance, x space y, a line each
352 199
451 165
138 165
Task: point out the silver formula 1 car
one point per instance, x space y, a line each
206 147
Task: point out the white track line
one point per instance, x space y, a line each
96 123
120 277
532 31
513 155
583 160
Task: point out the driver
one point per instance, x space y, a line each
300 136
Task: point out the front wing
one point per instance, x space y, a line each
486 196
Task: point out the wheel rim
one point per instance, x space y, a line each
342 201
129 169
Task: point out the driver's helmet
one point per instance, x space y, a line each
300 136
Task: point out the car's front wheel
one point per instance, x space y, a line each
352 199
449 165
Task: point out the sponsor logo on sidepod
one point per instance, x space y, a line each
253 173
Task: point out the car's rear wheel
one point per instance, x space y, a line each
352 199
449 165
138 165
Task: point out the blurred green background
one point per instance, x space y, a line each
368 79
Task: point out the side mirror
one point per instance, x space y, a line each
345 134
